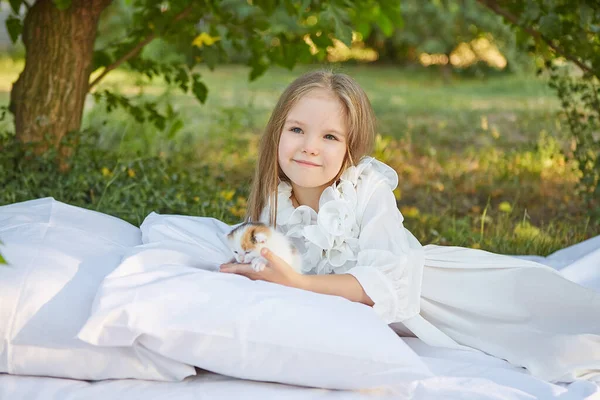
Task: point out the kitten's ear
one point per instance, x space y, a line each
260 237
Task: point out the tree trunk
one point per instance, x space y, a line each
49 95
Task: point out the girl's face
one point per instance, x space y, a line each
312 145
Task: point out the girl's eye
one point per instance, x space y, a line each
330 137
296 130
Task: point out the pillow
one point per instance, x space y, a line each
58 255
204 239
158 300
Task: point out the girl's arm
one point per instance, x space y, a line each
278 271
344 285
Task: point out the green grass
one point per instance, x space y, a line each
482 163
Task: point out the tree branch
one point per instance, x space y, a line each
133 52
492 5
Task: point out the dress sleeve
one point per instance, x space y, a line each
390 259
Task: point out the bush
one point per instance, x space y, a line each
129 188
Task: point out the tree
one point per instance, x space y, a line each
440 27
59 36
566 33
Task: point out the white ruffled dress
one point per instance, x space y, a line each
511 308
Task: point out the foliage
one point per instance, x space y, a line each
442 26
460 150
209 32
127 187
565 35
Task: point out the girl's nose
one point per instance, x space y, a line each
310 145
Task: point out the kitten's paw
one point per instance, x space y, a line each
258 264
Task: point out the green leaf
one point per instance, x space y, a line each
268 6
100 59
199 89
385 24
364 28
258 68
16 5
14 26
174 128
550 26
322 41
2 260
290 55
343 32
62 4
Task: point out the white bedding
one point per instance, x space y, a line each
459 375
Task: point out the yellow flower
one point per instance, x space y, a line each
227 194
526 231
196 199
495 133
238 211
409 211
484 122
106 172
505 207
131 173
205 39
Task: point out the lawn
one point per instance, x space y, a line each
483 163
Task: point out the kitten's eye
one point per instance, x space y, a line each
296 130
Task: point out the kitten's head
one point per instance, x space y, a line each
247 240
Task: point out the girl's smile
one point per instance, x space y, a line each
307 163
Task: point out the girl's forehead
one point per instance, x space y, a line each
316 105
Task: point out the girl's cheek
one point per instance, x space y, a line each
336 149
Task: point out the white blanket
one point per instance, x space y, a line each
459 375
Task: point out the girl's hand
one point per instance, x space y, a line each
276 271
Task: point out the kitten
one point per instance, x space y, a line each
247 240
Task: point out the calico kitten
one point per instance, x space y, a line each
247 240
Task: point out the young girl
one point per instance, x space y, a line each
316 184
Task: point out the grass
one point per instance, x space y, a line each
482 163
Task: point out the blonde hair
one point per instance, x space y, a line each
361 126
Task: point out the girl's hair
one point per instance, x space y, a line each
361 125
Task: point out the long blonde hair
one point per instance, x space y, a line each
361 125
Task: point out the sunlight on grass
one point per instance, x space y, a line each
482 163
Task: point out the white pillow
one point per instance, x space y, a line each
58 255
228 324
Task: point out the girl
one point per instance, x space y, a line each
315 183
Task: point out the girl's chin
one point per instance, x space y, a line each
309 184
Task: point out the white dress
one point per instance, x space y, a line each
518 310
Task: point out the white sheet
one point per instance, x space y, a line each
460 375
579 263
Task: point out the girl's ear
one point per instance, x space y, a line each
260 237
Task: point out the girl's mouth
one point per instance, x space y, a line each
307 163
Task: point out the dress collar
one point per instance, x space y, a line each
345 189
328 240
